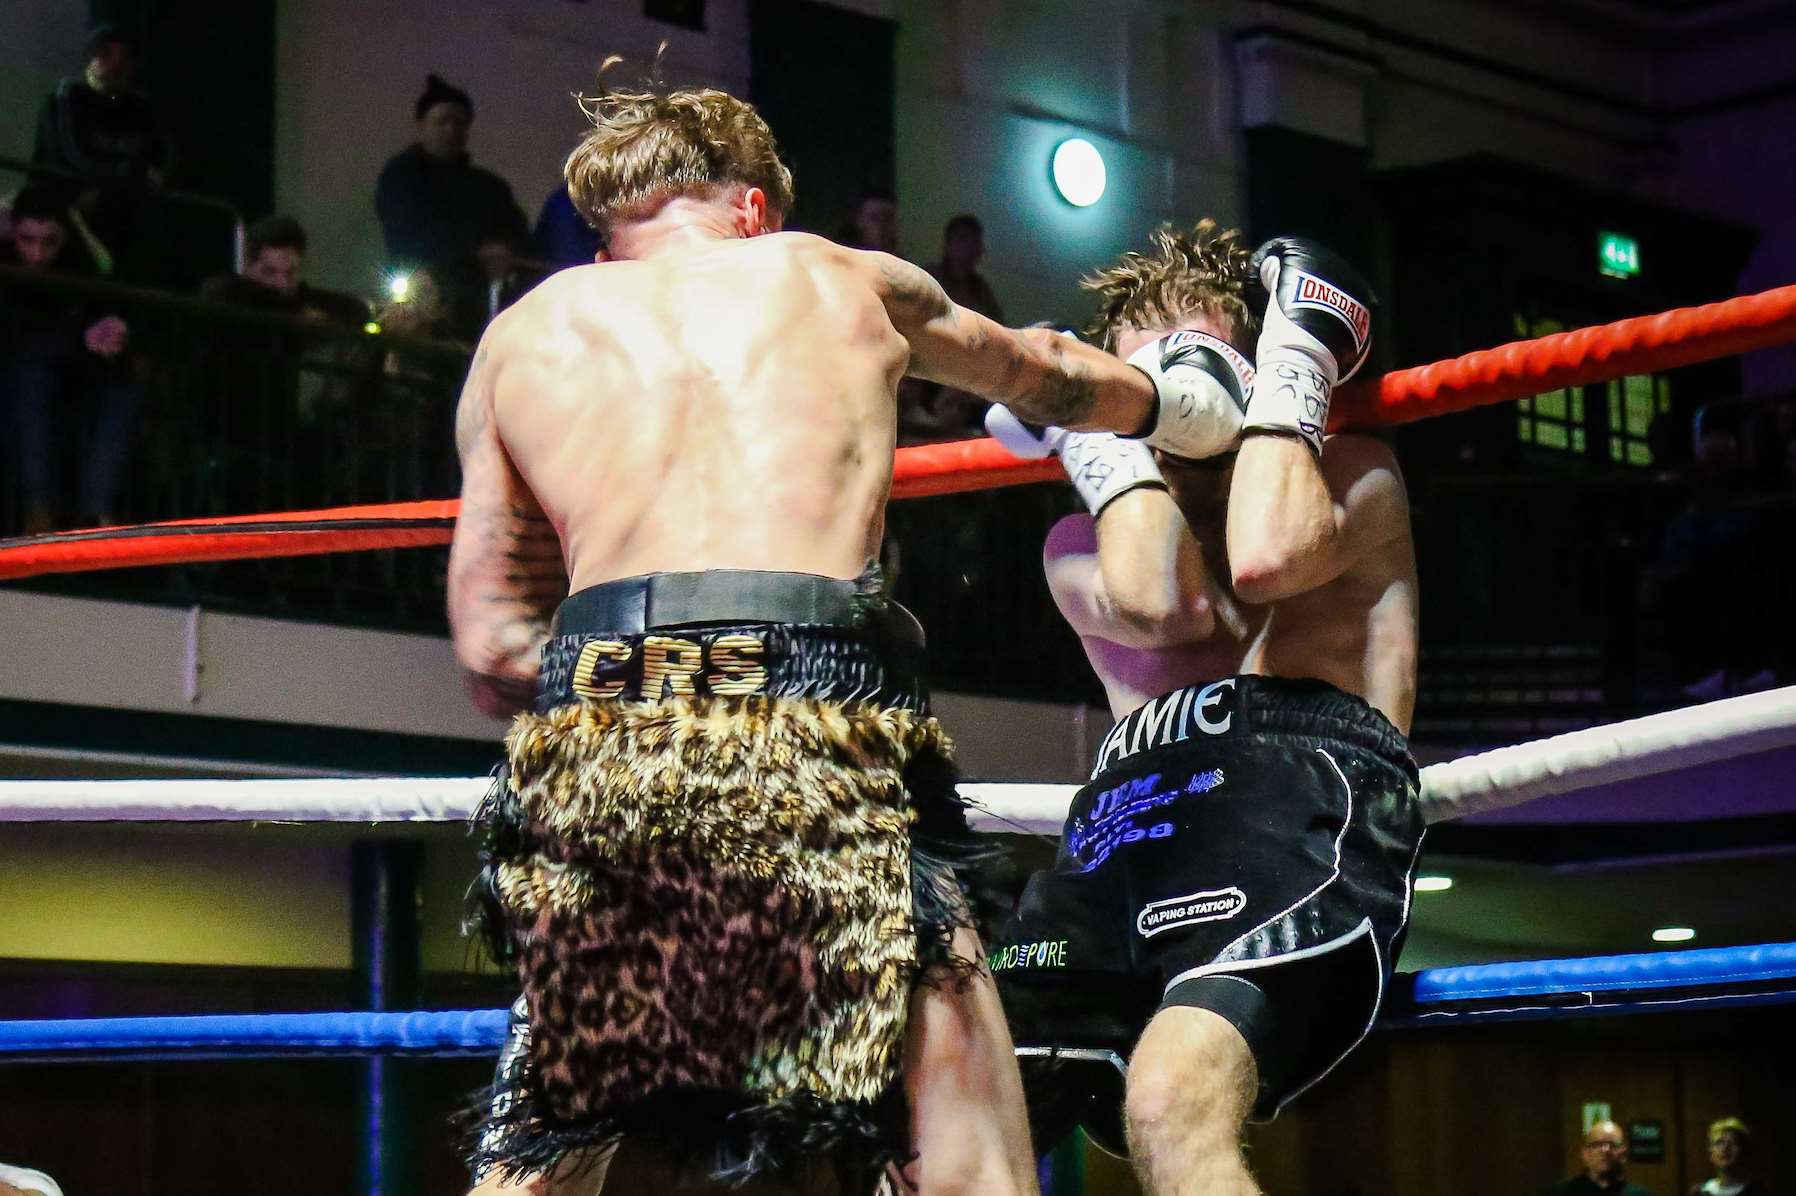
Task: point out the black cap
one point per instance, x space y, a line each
103 33
438 92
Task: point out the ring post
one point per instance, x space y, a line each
384 930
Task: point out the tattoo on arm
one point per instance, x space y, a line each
1062 393
506 569
474 410
913 291
1032 373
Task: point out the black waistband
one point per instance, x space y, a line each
734 633
1253 705
653 601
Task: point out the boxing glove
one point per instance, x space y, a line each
1317 331
1202 384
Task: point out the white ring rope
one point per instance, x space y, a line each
1625 751
1510 776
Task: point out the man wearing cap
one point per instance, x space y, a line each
442 213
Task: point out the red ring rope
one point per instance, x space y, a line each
1643 345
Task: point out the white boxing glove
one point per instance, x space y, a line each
1203 384
1102 466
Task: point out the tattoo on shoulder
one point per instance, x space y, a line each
913 288
474 412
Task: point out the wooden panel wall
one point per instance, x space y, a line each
1495 1111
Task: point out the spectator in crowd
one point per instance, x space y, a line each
1715 544
874 224
1605 1166
273 278
442 213
100 129
563 238
23 1181
260 416
1730 1154
63 364
963 248
940 412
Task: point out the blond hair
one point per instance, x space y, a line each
1203 271
648 147
1730 1125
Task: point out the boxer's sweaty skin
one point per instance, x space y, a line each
718 403
1356 631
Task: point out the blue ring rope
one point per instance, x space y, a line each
1608 973
420 1032
1547 987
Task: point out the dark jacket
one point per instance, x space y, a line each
337 309
48 324
1581 1185
98 136
436 213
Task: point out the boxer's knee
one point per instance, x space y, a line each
1192 1076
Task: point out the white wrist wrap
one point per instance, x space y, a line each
1295 379
1103 467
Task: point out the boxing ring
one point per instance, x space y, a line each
1565 765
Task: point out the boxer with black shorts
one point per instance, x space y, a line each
1232 885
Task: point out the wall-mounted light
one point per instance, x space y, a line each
399 287
1673 934
1433 884
1078 172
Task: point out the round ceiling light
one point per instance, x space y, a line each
1079 172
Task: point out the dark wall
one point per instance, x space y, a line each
1474 242
1299 185
210 69
1495 1110
823 78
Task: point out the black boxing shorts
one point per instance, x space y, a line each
725 849
1244 847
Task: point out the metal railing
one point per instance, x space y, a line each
174 195
241 411
1557 600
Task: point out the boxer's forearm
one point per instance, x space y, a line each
1284 527
506 572
1052 379
1045 378
503 590
1154 591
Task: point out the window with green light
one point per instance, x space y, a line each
1557 422
1633 405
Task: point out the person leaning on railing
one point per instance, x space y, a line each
265 396
61 355
273 278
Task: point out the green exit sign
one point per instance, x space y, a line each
1617 256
